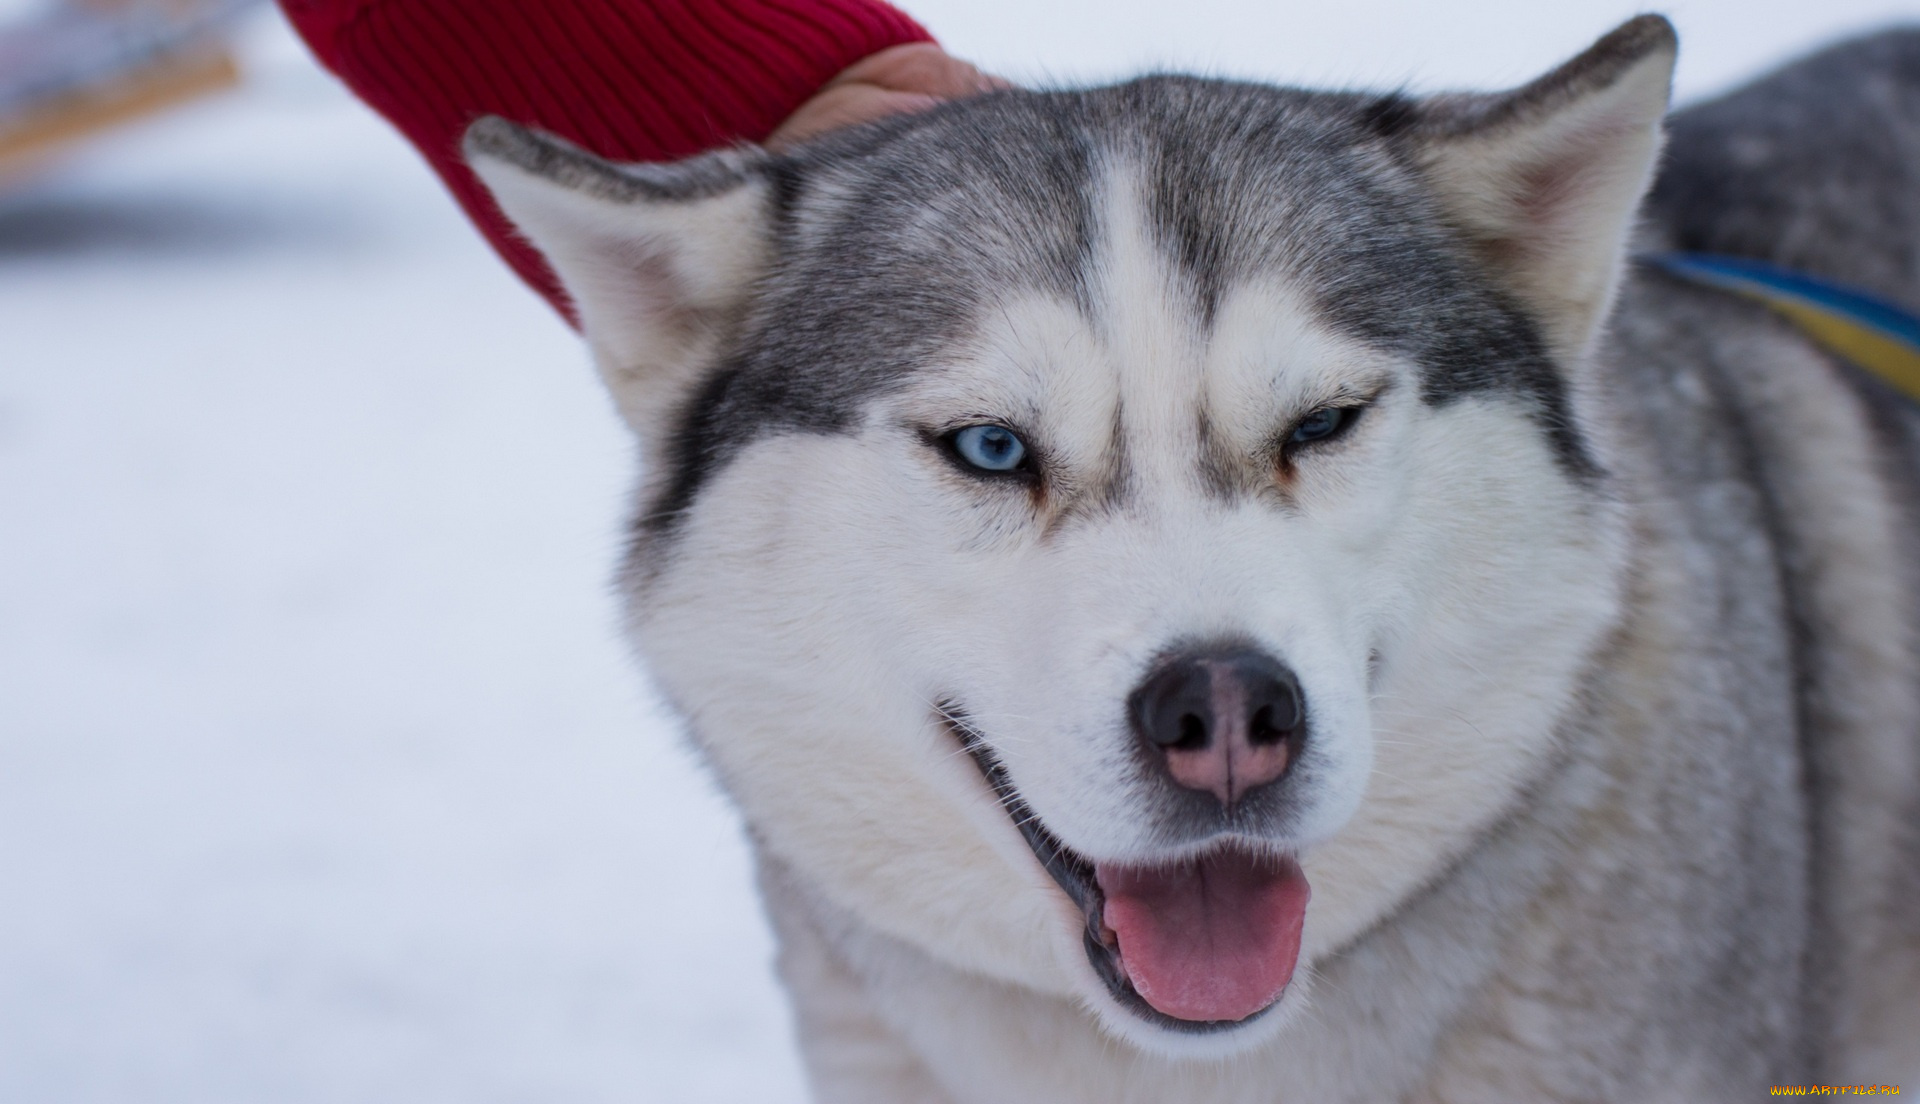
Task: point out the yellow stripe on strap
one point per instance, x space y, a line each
1874 334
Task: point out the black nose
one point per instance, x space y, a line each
1224 721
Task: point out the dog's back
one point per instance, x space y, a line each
1816 168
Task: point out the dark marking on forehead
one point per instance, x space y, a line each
1117 477
891 240
1113 485
1222 472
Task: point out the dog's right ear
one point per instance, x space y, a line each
657 258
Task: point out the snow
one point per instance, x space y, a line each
323 773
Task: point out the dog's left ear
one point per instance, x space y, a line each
1545 179
657 259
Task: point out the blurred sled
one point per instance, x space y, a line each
70 69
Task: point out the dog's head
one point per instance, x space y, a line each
1078 522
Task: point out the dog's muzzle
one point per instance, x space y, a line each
1200 945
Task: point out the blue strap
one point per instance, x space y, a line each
1873 333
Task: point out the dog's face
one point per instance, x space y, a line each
1122 542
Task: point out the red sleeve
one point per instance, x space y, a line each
631 80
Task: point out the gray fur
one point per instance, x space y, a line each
668 182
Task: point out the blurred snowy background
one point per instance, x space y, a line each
323 776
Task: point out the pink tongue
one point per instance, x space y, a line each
1213 939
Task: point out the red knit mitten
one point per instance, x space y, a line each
631 80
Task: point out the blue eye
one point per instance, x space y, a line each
1322 424
990 448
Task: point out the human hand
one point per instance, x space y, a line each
913 77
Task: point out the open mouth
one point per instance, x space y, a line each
1206 944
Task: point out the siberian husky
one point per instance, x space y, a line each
1209 593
